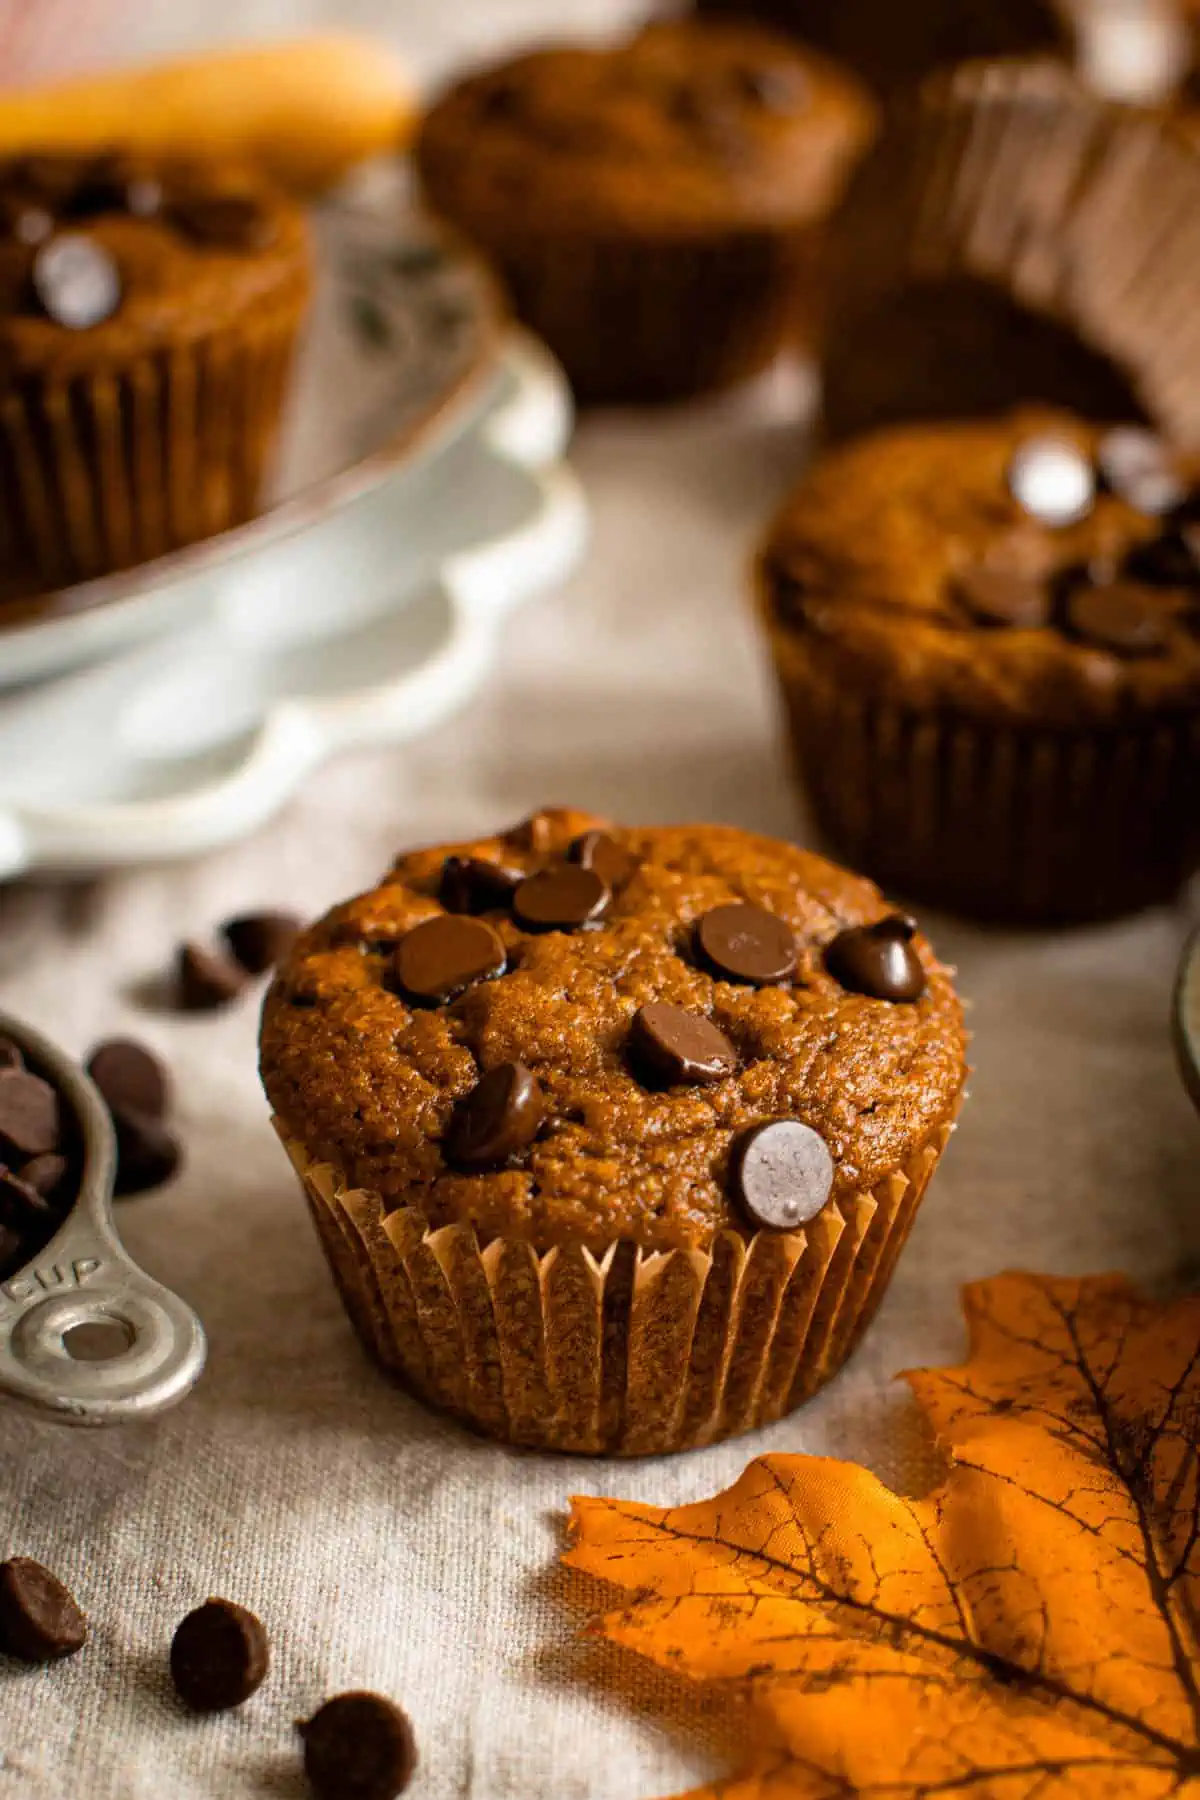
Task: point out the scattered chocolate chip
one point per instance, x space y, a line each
260 940
219 1656
442 958
1053 480
44 1175
1138 467
1171 560
30 1120
1119 617
499 1118
207 980
359 1747
39 1619
148 1155
1004 598
563 899
878 960
747 943
471 885
129 1075
782 1174
76 281
602 854
224 221
11 1054
670 1046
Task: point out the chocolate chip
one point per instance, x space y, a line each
359 1747
148 1155
1004 598
1119 617
219 1656
129 1075
44 1175
499 1118
224 221
1053 480
22 1208
602 854
747 943
260 940
39 1619
878 960
207 980
782 1174
30 1121
1138 467
11 1054
1171 560
76 281
437 961
563 899
670 1046
471 885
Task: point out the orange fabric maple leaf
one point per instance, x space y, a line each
1029 1631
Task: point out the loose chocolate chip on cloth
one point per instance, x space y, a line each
359 1746
259 940
40 1620
220 1655
206 980
148 1154
130 1075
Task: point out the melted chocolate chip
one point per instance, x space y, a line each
568 898
781 1174
499 1118
40 1620
442 958
878 960
76 282
670 1046
359 1747
747 944
1052 480
471 885
219 1656
1138 467
1120 617
1004 598
614 865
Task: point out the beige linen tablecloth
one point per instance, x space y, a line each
382 1546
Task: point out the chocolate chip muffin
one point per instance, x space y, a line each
1013 236
988 642
893 47
148 314
657 207
612 1137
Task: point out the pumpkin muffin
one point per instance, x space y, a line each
893 47
656 208
612 1137
987 638
148 314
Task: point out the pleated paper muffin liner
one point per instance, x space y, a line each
1001 822
113 468
631 1353
1052 235
635 321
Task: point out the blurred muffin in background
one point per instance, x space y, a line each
148 315
893 46
987 638
657 208
1013 236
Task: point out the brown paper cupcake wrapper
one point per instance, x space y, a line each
112 469
1005 199
634 322
631 1353
1020 826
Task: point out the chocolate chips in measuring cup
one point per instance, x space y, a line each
39 1160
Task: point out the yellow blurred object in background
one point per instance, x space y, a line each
304 110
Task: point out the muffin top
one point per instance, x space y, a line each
106 255
584 1057
1034 566
684 128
